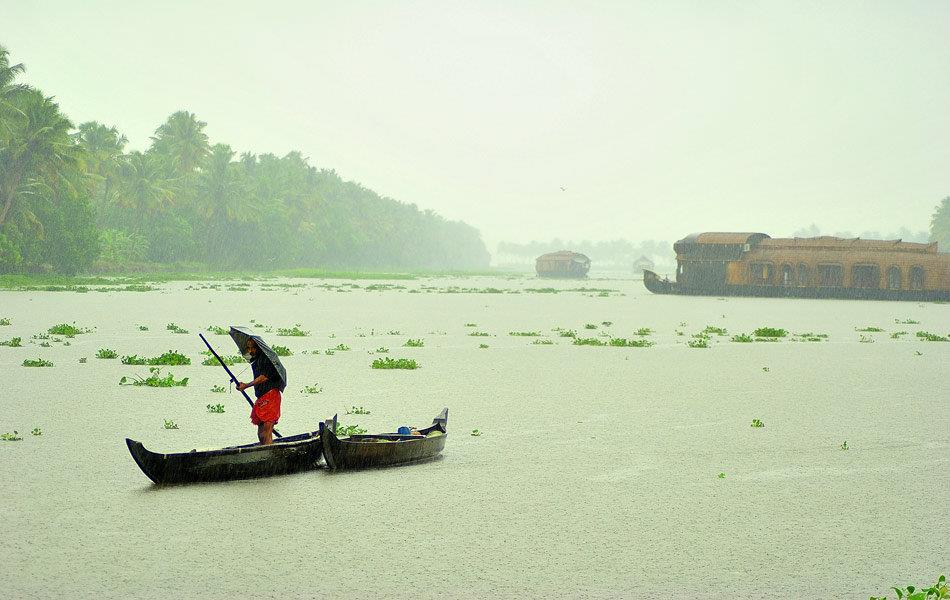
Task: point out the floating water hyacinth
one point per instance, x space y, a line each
68 330
174 328
170 424
36 362
294 331
13 342
215 408
106 353
155 379
411 343
395 363
281 350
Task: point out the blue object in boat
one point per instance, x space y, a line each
403 430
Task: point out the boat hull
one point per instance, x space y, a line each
288 455
382 450
657 285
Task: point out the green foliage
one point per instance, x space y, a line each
721 475
382 350
869 329
397 363
311 389
229 360
742 338
812 337
11 437
36 431
471 324
625 343
844 445
4 322
170 424
155 379
588 342
38 362
13 342
757 423
218 389
525 333
866 339
568 333
897 335
281 350
341 348
476 432
218 330
357 410
143 327
606 323
698 342
348 430
713 330
478 334
940 225
769 332
938 591
931 337
82 360
174 328
215 408
643 331
482 346
411 343
294 331
590 326
544 342
106 353
906 322
68 330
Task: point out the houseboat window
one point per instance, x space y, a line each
761 273
802 274
916 277
894 278
788 275
866 276
830 275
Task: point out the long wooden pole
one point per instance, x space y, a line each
231 375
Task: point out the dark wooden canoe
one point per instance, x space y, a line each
286 455
382 449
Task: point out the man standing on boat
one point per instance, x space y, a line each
267 384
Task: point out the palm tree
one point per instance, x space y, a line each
39 150
181 141
9 90
144 186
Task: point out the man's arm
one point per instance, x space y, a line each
256 381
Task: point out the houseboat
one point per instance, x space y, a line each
562 265
754 264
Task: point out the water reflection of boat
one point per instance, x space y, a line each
384 449
753 264
286 455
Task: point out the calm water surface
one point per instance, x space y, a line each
596 474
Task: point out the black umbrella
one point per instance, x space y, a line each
240 335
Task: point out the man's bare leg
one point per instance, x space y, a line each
265 433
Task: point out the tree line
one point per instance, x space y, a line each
72 198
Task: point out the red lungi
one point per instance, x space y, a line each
267 408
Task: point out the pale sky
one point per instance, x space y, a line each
657 118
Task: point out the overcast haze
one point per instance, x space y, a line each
657 119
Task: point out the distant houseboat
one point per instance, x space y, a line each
642 264
753 264
563 264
